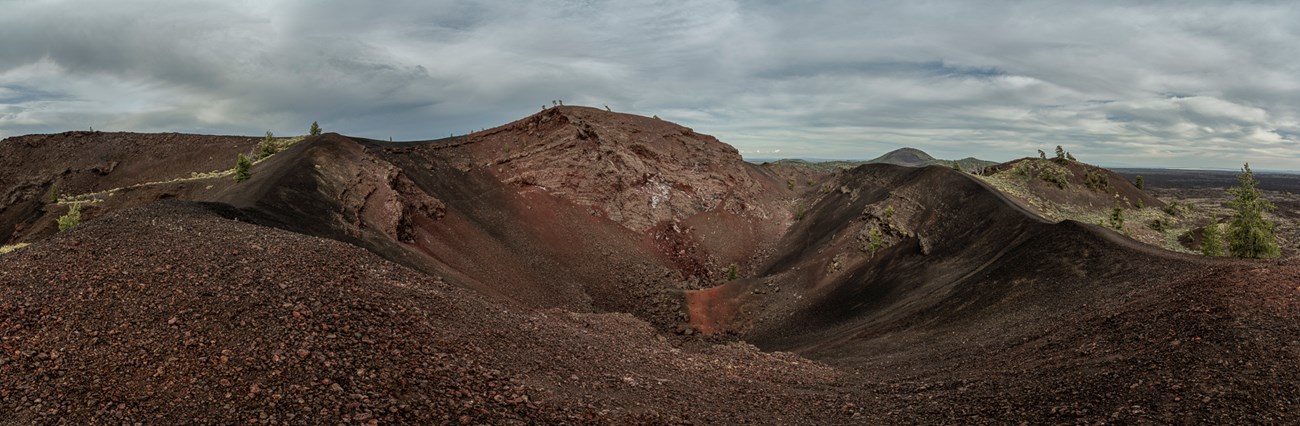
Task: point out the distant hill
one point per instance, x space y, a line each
910 157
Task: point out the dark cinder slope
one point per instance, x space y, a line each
991 314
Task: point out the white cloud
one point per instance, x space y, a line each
1162 83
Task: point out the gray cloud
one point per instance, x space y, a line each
1162 83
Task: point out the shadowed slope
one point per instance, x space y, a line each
969 292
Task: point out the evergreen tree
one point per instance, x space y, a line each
267 148
315 129
1060 154
1249 233
241 168
1212 239
1139 183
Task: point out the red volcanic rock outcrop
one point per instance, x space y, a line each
378 194
636 170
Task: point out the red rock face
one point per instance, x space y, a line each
378 194
635 170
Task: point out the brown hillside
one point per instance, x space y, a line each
176 313
84 162
1081 185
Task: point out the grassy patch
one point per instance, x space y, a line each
11 247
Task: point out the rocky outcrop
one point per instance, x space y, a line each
635 170
381 196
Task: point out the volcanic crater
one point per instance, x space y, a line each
587 266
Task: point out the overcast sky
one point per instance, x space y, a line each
1179 84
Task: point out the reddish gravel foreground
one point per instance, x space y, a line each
176 313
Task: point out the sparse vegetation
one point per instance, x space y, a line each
889 211
241 168
54 194
1044 170
1069 156
315 129
12 247
1117 218
1096 180
70 219
1159 224
1212 239
798 212
1173 209
1249 233
876 240
789 184
1054 175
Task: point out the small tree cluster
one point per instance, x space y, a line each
71 219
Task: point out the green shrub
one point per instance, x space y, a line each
798 212
1055 175
1117 218
889 211
54 194
241 168
733 272
1140 204
876 240
789 184
71 219
1159 224
1139 183
1173 209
